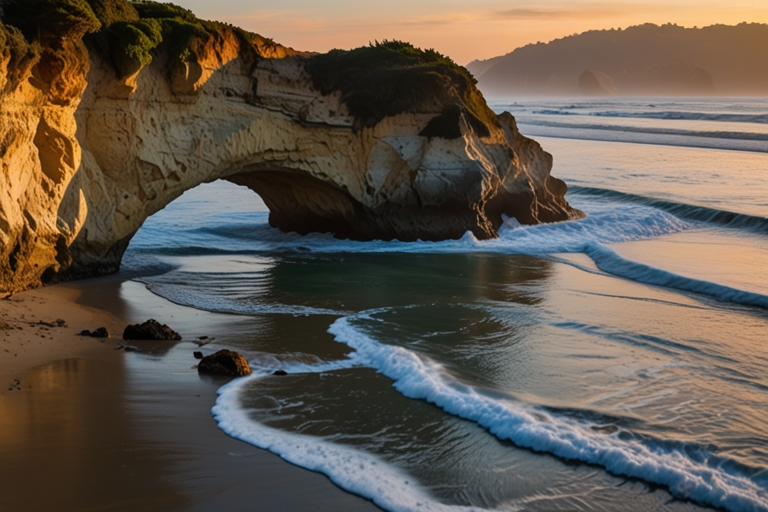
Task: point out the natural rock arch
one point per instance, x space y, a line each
88 156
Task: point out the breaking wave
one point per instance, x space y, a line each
688 470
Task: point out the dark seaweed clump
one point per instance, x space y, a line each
392 77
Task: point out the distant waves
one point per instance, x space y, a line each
737 124
707 140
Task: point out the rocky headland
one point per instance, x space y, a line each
667 60
110 110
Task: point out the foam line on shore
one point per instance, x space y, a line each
353 470
687 470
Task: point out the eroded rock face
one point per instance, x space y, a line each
88 156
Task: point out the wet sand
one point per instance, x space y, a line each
85 425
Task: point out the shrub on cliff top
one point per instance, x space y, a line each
134 31
181 32
62 18
181 28
184 37
392 77
158 10
132 43
111 11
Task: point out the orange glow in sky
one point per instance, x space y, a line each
462 29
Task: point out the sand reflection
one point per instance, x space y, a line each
67 433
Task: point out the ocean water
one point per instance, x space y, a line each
730 123
614 363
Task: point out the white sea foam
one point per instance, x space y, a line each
608 261
353 470
606 223
689 472
266 363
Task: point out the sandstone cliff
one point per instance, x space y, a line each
112 110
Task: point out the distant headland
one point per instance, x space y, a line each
641 60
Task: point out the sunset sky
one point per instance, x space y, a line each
463 29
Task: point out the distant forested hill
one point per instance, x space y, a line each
643 60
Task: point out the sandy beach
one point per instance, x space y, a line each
86 425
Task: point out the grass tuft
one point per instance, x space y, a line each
131 44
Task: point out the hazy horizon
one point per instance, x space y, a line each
462 30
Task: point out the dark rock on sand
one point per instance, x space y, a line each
57 323
150 330
101 332
225 362
280 372
197 354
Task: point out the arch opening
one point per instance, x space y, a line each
210 218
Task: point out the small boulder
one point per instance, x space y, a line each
280 372
225 362
101 332
150 330
197 354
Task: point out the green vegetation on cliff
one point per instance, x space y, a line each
61 18
133 31
136 30
131 44
127 34
376 81
392 77
111 11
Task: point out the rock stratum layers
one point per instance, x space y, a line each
112 110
